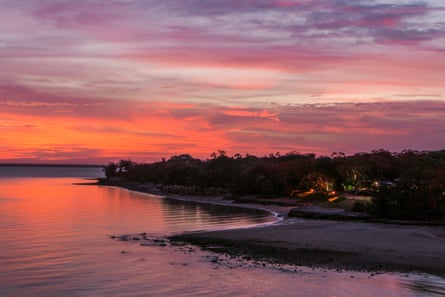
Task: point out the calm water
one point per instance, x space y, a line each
55 241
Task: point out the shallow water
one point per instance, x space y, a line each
56 241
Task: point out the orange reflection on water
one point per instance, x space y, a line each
51 206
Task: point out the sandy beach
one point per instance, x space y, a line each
336 245
330 244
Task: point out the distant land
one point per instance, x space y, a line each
47 165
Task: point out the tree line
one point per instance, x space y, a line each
406 184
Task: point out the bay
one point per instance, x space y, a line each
56 241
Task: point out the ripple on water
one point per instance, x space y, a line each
56 242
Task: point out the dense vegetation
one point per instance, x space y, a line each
409 184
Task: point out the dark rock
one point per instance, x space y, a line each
316 212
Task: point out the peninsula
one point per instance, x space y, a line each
397 221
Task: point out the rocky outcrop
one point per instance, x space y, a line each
317 212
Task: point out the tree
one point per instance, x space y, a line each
110 169
125 165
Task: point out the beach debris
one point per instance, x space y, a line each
179 264
214 259
124 237
143 239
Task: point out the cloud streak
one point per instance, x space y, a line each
168 77
164 129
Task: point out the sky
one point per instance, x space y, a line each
95 81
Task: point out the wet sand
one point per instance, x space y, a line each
331 244
335 245
354 245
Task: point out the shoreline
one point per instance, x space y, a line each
333 245
337 245
280 212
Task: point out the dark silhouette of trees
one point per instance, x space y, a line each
110 170
403 185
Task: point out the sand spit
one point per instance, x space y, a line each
335 244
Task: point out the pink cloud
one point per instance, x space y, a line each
163 130
241 112
167 77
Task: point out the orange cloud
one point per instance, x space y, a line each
96 82
155 130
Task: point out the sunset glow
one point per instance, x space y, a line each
94 81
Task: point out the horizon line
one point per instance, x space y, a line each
47 165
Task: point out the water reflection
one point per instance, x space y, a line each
56 242
192 216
